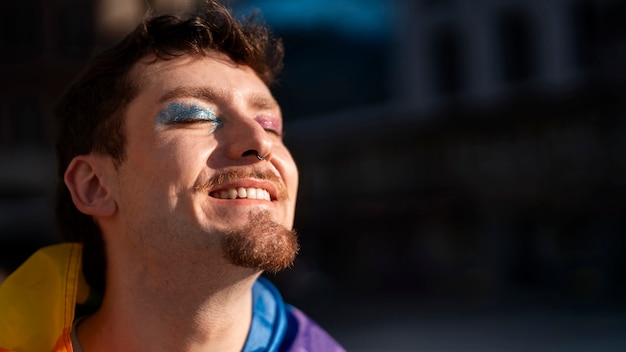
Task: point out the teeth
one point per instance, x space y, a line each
241 192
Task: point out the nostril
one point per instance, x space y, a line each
250 152
255 153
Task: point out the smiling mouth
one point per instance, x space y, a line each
242 193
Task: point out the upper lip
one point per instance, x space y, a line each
249 183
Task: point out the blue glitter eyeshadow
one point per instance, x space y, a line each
186 113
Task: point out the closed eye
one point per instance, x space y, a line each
194 120
182 113
271 124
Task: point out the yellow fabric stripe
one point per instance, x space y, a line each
37 301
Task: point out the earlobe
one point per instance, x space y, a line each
89 193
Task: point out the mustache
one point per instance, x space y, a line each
232 175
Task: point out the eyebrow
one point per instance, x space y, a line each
216 95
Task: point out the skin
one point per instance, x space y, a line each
169 286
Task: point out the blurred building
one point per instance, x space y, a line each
44 44
496 167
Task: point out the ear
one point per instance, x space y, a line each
90 194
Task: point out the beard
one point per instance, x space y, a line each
261 244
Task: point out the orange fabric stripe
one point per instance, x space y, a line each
64 343
71 277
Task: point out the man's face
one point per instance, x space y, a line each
192 182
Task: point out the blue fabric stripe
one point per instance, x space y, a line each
269 318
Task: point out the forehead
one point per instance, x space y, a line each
215 73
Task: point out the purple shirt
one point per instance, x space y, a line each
277 326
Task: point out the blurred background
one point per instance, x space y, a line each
463 162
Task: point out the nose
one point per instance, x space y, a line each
248 139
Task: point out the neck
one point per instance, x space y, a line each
165 312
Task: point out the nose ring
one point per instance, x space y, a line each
261 157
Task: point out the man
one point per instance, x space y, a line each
176 193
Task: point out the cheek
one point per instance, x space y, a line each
182 154
168 166
294 181
288 170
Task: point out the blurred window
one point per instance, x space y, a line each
516 47
21 30
28 122
584 29
613 20
76 39
447 61
4 126
436 4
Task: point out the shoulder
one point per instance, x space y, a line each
304 334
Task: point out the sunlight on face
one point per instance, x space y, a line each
192 182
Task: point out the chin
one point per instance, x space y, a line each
261 244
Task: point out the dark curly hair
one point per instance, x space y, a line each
90 114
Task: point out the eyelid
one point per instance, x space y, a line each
270 123
175 113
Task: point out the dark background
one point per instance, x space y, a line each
463 163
